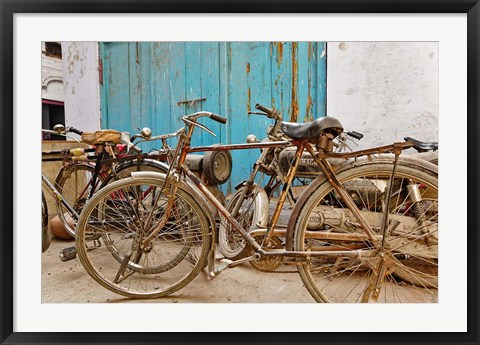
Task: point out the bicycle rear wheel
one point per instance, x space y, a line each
111 237
399 266
72 182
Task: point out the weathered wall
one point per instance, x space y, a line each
386 90
81 85
52 77
153 84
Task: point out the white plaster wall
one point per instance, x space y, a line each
385 90
52 77
81 85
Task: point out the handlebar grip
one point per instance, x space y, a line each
218 118
76 131
264 109
355 135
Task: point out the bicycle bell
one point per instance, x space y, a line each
251 138
59 128
146 132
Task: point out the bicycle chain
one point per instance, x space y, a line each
274 271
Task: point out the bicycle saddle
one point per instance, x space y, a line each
312 130
422 146
102 137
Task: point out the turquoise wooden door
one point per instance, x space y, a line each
154 83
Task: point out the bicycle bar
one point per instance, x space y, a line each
336 253
54 192
283 143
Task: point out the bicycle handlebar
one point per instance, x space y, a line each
218 118
199 114
49 131
264 109
271 113
60 129
74 130
355 135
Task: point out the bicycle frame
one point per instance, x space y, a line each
56 194
321 158
90 186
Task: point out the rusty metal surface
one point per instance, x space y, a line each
283 195
294 101
246 146
329 174
320 235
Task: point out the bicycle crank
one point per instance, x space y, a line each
268 263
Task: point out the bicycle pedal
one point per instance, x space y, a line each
68 254
241 261
219 268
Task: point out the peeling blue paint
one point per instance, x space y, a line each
144 81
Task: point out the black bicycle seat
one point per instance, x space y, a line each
312 130
422 146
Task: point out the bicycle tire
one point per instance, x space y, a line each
46 235
156 270
72 183
410 263
230 242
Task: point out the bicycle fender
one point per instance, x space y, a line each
151 162
387 157
71 167
262 208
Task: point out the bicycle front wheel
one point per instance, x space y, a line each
46 235
397 265
112 231
231 243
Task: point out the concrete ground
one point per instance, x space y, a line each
68 282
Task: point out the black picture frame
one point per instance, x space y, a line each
9 8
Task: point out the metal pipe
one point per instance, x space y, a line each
283 143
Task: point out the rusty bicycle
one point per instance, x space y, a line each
149 235
251 202
110 156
